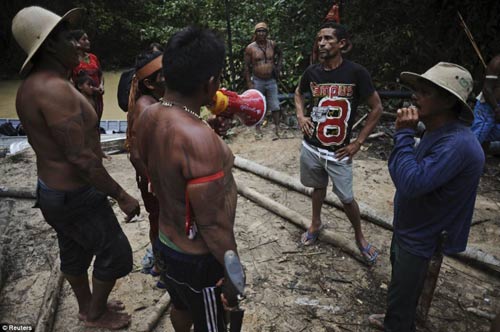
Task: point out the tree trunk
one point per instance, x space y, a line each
48 309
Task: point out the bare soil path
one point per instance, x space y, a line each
289 288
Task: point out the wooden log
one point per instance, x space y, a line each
48 309
481 259
17 192
158 310
296 218
4 226
293 183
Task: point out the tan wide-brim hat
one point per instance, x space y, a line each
32 25
453 78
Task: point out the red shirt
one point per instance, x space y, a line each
92 68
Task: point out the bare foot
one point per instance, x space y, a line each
113 305
110 320
377 321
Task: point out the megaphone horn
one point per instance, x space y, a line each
249 107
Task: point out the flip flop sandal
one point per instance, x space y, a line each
308 238
371 259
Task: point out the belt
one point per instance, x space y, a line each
323 153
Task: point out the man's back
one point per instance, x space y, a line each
190 150
52 112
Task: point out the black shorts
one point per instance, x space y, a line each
190 282
86 226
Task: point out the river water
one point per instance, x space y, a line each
8 90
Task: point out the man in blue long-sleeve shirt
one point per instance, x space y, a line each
436 183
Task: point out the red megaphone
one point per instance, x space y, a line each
249 107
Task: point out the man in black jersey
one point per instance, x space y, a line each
337 86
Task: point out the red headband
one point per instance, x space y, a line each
150 68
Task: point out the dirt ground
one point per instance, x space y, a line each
289 288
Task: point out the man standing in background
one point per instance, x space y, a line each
262 67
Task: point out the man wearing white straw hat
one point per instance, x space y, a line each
436 184
73 185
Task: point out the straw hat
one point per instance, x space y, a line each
32 25
453 78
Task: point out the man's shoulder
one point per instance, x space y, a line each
354 65
145 101
313 68
252 45
45 84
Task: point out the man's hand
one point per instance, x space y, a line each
348 151
306 125
407 118
129 205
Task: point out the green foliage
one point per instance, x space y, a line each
388 36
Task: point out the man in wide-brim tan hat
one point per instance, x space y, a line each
436 185
72 182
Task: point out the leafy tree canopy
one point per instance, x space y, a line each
388 36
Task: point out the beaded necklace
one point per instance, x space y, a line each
169 103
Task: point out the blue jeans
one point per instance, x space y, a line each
484 126
269 88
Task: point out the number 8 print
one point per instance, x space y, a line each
333 130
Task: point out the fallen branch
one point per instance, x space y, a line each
390 115
156 313
359 121
480 313
479 258
48 309
326 235
17 193
377 134
262 244
480 221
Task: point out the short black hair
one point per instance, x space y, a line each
140 61
82 78
340 30
191 57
